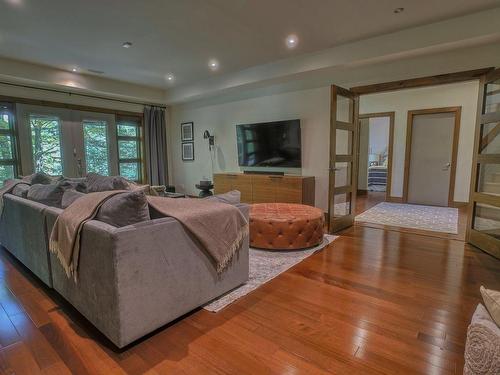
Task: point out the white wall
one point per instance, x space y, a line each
459 94
312 107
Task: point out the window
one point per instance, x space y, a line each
129 147
95 137
8 157
46 144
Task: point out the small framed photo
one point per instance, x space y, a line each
187 134
188 151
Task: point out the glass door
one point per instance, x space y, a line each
343 158
45 143
67 142
484 206
94 140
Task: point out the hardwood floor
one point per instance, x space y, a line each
374 302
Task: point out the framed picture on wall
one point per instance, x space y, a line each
187 133
188 151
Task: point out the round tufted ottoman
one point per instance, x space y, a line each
285 226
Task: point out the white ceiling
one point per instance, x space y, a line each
180 36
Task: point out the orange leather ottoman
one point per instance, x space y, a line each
285 226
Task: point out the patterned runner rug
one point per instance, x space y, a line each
432 218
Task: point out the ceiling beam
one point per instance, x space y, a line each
440 79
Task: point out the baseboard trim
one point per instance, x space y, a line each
362 192
394 199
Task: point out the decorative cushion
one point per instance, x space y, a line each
96 183
283 226
69 196
231 197
482 349
76 183
138 187
491 299
124 209
51 195
21 190
38 178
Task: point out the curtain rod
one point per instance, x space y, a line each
78 94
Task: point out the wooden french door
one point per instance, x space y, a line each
343 168
484 206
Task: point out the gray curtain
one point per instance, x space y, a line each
156 145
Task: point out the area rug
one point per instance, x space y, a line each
265 266
431 218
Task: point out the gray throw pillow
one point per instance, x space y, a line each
77 184
50 195
96 182
69 196
21 190
125 209
231 197
38 178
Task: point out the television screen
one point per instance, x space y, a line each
269 144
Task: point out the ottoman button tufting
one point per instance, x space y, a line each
269 229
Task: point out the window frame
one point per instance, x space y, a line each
139 139
10 109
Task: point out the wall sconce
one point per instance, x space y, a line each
211 139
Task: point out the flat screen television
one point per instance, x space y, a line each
269 144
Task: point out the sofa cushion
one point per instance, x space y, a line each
96 183
21 190
39 178
231 197
50 195
124 209
491 300
69 196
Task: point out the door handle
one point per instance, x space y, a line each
446 166
79 167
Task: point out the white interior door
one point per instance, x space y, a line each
431 158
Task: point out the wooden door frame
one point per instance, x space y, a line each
336 225
390 148
456 134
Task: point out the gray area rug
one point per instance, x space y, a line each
264 266
432 218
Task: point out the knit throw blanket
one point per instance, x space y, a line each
7 188
219 227
65 237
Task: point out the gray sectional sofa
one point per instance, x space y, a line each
131 280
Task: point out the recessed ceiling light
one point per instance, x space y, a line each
292 41
74 69
169 77
15 2
399 10
127 44
213 64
